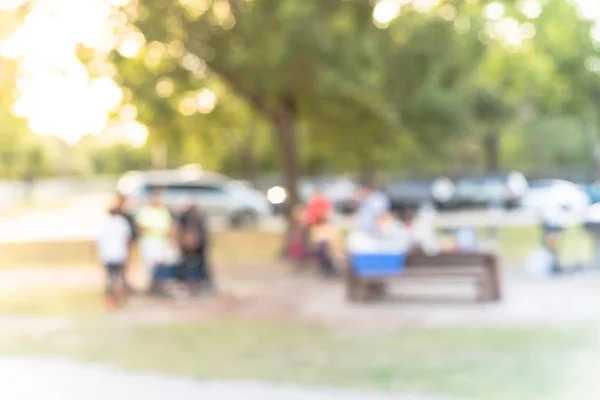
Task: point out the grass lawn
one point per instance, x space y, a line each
483 364
517 242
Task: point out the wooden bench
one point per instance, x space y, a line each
479 268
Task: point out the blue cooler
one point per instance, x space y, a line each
378 264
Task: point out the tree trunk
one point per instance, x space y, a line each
284 123
491 152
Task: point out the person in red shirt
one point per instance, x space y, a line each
318 208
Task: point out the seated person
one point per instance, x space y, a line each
421 229
328 246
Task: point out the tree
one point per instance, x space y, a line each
290 61
435 88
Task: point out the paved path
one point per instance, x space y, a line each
30 379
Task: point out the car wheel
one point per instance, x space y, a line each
244 220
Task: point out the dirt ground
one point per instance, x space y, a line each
304 296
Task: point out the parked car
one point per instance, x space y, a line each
219 196
557 194
505 190
339 190
412 193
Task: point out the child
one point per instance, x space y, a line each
328 246
113 251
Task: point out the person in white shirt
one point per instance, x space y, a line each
113 252
373 205
555 219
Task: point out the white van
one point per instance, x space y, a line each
218 196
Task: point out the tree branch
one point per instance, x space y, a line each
234 5
255 100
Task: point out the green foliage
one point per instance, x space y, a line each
118 159
317 86
394 98
93 156
21 154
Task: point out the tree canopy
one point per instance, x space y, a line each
353 85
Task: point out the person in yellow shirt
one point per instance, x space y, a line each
156 226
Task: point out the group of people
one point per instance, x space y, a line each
311 235
172 246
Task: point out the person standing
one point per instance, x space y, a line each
122 209
372 206
112 247
194 244
555 218
155 224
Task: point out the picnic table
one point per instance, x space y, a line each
478 268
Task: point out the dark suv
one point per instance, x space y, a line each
410 194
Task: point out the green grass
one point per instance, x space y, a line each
483 364
518 242
515 243
471 363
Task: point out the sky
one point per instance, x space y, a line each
55 92
59 97
508 30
